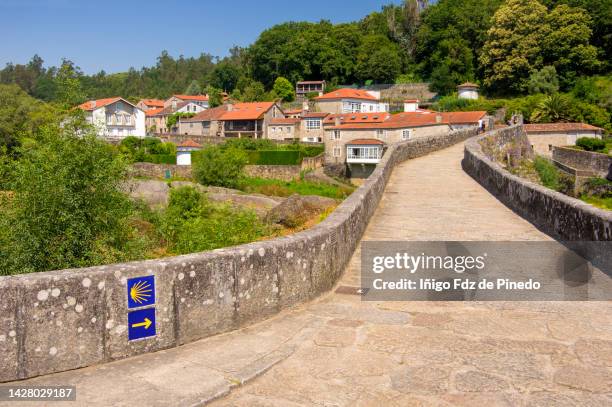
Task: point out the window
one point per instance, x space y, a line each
406 134
381 134
109 119
128 120
313 124
119 119
351 107
336 151
288 129
335 135
550 147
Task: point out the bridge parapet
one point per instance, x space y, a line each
61 320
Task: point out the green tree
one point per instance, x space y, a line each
544 81
453 60
68 209
567 44
254 92
378 59
284 89
225 75
217 166
514 45
554 108
193 88
215 96
69 92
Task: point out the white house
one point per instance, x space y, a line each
174 100
347 100
115 118
184 150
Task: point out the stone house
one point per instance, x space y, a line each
114 118
157 119
200 100
205 123
149 104
303 88
341 131
249 119
347 100
545 136
284 128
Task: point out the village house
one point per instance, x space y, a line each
303 88
184 151
148 104
543 137
249 119
235 120
175 100
157 119
360 138
115 118
205 123
347 100
284 128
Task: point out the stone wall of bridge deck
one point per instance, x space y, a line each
67 319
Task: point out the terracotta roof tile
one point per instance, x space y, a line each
153 112
152 102
313 115
403 120
365 142
200 98
208 115
285 120
96 104
555 127
247 111
189 143
347 93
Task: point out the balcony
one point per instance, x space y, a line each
363 154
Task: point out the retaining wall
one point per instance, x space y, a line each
559 215
282 172
159 170
61 320
598 163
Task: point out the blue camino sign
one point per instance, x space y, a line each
141 324
141 291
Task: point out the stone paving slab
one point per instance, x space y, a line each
340 351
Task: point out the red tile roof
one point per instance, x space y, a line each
365 142
152 102
293 111
315 115
153 112
559 127
351 118
347 93
285 120
402 120
90 105
208 115
247 111
189 143
201 98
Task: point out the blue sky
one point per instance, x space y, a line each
115 35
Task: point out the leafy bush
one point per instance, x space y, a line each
591 144
219 166
275 157
552 178
274 187
249 144
455 104
148 149
68 209
193 224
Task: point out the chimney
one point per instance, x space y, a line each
230 107
305 106
174 105
93 104
337 121
411 105
438 118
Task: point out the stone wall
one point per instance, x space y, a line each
559 215
151 170
282 172
598 163
67 319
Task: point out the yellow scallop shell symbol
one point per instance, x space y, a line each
140 292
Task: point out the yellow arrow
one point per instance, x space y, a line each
147 323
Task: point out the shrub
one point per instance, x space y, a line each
591 144
275 157
249 144
68 209
218 166
552 178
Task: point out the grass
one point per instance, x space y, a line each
275 187
549 175
603 203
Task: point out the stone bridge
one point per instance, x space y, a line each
339 351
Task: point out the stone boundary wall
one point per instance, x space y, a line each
559 215
282 172
159 170
67 319
312 163
599 163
